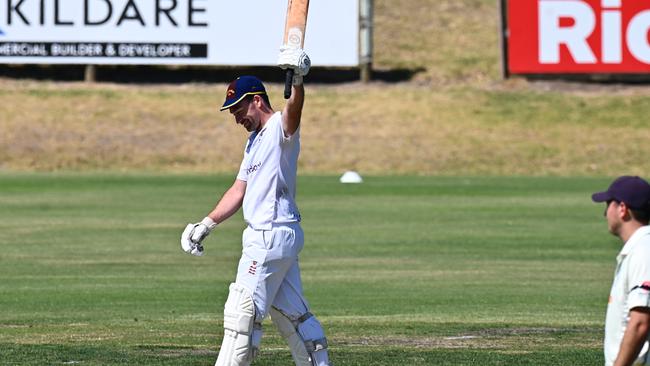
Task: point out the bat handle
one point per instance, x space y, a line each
287 84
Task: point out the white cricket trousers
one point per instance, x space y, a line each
269 269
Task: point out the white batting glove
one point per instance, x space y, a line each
194 234
296 59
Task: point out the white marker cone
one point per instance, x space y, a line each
351 177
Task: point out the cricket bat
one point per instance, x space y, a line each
294 34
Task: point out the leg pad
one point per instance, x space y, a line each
305 336
238 322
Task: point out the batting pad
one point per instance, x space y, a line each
238 318
313 335
288 331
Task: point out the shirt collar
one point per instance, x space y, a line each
634 240
251 138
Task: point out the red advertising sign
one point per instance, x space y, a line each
578 36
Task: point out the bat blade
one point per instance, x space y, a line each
296 23
294 33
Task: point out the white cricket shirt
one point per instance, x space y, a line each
631 288
269 170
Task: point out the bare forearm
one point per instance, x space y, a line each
293 109
228 205
635 336
296 101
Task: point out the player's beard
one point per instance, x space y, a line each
249 124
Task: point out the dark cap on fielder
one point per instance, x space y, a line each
632 190
240 88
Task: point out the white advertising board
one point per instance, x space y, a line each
178 32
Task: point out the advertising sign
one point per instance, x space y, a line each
577 36
208 32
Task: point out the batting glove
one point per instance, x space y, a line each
296 59
194 234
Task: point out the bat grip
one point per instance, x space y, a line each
288 81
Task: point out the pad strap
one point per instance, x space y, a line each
303 318
316 345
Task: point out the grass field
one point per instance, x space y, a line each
473 240
400 270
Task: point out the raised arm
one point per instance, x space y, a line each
293 110
296 59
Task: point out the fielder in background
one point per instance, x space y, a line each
627 327
268 278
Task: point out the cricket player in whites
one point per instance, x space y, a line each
268 277
627 325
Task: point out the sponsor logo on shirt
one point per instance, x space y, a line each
253 168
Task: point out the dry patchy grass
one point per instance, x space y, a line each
449 41
375 129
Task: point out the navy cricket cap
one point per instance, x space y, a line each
241 87
634 191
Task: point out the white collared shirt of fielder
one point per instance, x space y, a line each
629 290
